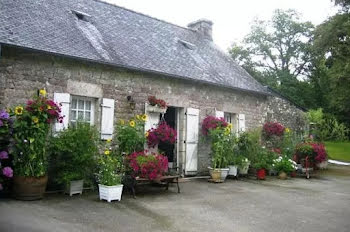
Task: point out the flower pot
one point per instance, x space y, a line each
218 173
233 170
75 187
260 174
244 169
156 109
29 188
282 175
110 193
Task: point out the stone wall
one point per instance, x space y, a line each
22 72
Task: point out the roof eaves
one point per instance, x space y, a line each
132 68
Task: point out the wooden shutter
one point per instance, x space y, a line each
107 119
219 114
192 127
64 100
241 123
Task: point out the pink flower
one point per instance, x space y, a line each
8 172
4 155
211 122
273 128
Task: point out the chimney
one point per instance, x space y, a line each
202 26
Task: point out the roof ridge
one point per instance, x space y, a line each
143 14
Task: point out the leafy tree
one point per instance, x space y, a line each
277 53
332 64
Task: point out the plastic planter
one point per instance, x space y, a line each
110 193
260 174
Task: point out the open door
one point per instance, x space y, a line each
192 124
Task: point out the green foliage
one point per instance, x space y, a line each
315 116
263 159
249 144
284 164
338 150
219 142
130 135
72 153
109 169
289 142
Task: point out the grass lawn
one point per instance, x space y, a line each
338 150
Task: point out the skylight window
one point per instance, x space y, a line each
81 15
187 45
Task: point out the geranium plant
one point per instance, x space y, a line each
211 122
130 134
6 171
30 131
284 164
315 151
147 165
163 133
153 101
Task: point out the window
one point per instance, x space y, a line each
82 109
232 118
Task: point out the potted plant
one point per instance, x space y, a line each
283 165
109 175
31 127
262 164
162 133
156 105
244 166
147 165
6 171
72 155
220 141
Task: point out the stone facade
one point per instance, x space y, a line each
22 72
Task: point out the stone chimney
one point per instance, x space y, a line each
202 26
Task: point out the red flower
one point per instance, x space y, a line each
162 133
212 122
273 128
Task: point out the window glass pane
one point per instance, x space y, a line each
73 115
80 104
74 103
87 105
80 115
87 116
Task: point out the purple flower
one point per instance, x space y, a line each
4 155
4 115
8 172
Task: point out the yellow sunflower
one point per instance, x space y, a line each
229 125
121 121
42 92
227 130
146 134
49 107
109 140
287 130
132 123
144 117
19 110
107 152
35 120
138 117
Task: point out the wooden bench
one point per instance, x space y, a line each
164 180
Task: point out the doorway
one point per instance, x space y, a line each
170 117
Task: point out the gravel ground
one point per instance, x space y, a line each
319 204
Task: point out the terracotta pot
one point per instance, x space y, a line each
215 174
260 174
293 174
29 188
282 175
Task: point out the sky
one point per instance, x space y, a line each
232 19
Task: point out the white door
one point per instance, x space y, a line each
192 122
152 122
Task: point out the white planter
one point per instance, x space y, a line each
233 170
110 193
244 169
75 187
224 172
156 109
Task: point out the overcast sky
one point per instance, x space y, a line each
231 18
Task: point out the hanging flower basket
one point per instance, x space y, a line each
156 109
163 133
156 105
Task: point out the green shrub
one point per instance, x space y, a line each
72 153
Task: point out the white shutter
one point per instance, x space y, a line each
192 130
64 100
241 122
107 118
152 119
219 114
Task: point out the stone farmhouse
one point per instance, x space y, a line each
102 62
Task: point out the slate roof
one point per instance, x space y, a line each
120 37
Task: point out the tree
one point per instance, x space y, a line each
332 64
277 53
